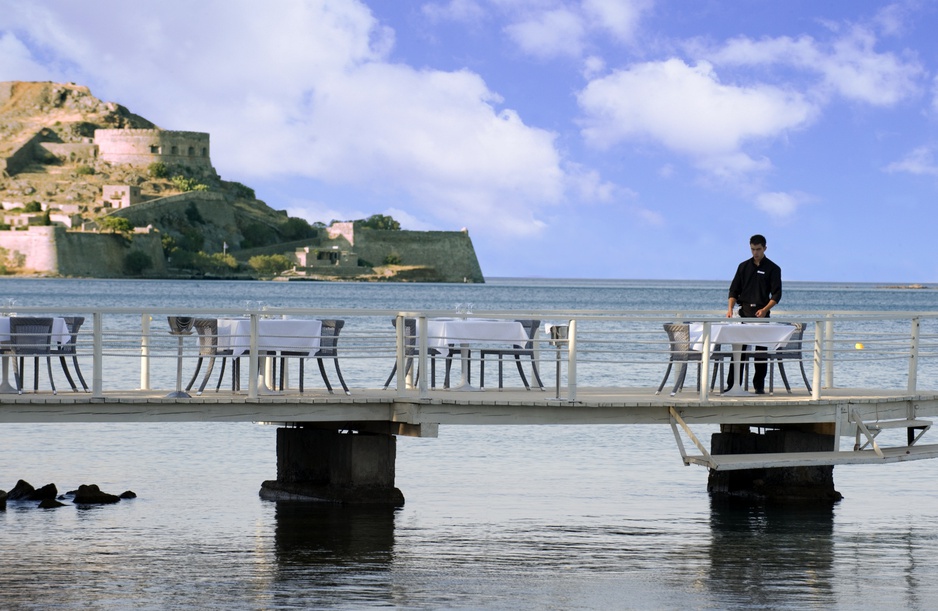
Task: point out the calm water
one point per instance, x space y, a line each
601 517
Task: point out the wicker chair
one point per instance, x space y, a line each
682 353
791 351
207 328
69 348
410 351
32 337
328 348
530 328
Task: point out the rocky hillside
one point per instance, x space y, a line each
47 115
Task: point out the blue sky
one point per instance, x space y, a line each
572 138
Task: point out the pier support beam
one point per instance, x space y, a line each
778 484
335 466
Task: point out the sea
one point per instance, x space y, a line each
496 517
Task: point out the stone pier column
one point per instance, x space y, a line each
776 484
334 466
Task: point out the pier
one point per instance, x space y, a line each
866 404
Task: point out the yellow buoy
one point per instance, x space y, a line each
858 346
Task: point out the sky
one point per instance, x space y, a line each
633 139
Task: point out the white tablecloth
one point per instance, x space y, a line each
444 332
60 334
769 335
273 335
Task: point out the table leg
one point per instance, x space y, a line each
737 390
264 370
464 384
179 393
5 386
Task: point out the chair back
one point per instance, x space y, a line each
330 337
410 335
180 325
679 342
73 324
792 348
530 328
207 328
30 335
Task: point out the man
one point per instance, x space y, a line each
757 288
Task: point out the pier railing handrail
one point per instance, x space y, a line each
594 343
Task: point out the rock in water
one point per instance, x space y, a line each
20 491
91 495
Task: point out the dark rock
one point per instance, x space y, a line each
92 495
50 504
3 499
46 493
20 491
128 494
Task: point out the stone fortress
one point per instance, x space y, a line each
57 130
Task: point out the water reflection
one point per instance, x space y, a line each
767 554
333 535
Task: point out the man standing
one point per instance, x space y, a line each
757 288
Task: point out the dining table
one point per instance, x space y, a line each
60 335
442 333
274 335
768 335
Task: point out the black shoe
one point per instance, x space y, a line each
760 391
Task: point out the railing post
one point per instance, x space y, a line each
829 352
145 351
253 360
97 352
705 364
818 361
399 339
422 356
571 362
913 354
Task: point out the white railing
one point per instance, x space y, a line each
132 349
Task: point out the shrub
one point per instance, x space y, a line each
84 170
117 224
392 259
32 207
157 169
242 192
136 262
187 184
297 229
269 265
379 221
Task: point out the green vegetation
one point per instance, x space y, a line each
32 207
84 170
157 169
297 229
241 191
257 234
379 221
116 224
136 262
187 184
269 265
392 259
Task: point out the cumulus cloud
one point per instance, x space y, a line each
549 33
688 110
305 90
920 161
848 66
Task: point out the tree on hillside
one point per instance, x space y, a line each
379 221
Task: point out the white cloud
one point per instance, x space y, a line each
553 33
780 205
688 110
920 161
848 66
619 17
16 62
465 11
304 90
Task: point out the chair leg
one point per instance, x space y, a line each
68 376
537 375
322 372
222 374
208 374
198 367
664 380
391 377
804 376
481 369
338 372
81 378
18 364
49 368
679 383
524 380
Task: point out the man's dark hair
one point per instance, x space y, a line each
758 240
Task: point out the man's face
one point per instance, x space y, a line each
758 252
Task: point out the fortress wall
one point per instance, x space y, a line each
146 146
450 252
21 156
71 151
38 244
102 255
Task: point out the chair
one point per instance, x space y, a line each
329 339
682 353
530 328
791 351
207 329
410 351
31 336
73 323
